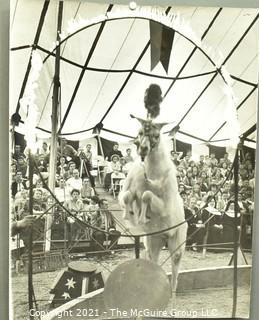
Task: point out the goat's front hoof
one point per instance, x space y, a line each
126 215
142 220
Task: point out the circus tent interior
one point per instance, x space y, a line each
105 69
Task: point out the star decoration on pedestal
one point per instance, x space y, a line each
70 283
95 283
66 295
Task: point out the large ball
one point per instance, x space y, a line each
137 284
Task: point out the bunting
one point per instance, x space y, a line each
70 285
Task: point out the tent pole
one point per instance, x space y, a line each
54 130
100 144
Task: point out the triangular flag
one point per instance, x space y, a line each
166 46
156 30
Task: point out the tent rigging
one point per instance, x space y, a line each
106 111
83 70
35 42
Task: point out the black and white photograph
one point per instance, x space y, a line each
132 160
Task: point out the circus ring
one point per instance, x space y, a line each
194 286
188 280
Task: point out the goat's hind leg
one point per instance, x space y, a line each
126 199
153 246
176 247
155 203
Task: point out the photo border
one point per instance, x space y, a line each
4 143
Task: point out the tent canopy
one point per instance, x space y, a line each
105 70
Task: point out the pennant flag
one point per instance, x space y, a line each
155 42
161 42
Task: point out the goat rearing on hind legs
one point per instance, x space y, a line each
150 195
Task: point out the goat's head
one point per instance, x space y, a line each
148 137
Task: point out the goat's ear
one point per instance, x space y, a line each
142 121
161 124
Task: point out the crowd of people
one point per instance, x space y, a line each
74 189
206 187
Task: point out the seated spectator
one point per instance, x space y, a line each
86 191
184 196
115 151
128 157
188 180
71 167
195 173
124 169
62 168
207 160
75 206
21 199
228 221
250 170
218 177
39 185
22 166
44 150
204 182
39 204
181 187
224 170
201 162
41 163
62 192
17 152
226 159
185 161
115 166
75 182
18 184
223 200
213 159
196 191
94 212
13 170
194 220
106 222
214 225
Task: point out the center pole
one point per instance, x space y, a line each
30 243
235 253
137 246
54 130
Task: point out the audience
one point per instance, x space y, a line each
206 187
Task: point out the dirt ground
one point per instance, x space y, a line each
211 302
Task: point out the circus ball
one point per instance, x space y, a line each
137 285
